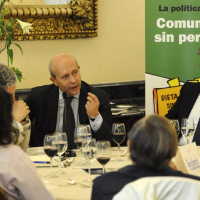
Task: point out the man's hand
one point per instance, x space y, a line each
92 105
19 110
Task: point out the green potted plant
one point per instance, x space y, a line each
6 35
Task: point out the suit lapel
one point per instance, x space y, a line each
83 118
52 107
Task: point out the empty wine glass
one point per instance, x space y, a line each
175 124
103 153
118 135
187 128
51 150
82 132
61 143
88 152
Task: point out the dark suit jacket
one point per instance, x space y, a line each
185 102
107 185
43 104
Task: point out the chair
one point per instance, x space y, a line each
160 188
3 195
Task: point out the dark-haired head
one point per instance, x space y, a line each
8 134
153 142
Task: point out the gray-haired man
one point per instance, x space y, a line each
20 110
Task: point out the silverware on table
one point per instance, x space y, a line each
73 182
67 162
123 153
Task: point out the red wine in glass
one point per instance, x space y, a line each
51 152
103 153
103 160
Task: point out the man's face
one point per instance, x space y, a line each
11 90
68 77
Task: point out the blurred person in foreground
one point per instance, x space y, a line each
19 178
20 110
90 105
152 144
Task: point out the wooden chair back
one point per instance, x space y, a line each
3 195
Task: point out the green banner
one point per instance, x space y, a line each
172 34
172 50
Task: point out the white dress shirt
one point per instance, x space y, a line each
195 115
95 125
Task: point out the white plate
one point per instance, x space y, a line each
125 106
35 151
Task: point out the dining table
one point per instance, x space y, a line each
75 170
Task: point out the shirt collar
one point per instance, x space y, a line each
61 96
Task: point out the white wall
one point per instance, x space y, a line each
117 54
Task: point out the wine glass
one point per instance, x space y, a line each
175 124
61 143
118 135
187 128
51 150
82 132
88 152
103 153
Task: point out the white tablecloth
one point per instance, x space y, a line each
73 192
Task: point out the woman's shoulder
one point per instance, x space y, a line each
10 148
11 154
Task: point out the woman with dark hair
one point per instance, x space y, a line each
8 134
18 175
152 144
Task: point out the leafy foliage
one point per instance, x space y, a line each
6 36
18 73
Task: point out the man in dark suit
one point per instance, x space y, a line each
152 144
186 105
90 105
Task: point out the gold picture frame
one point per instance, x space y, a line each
77 19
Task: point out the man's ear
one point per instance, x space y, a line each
53 80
